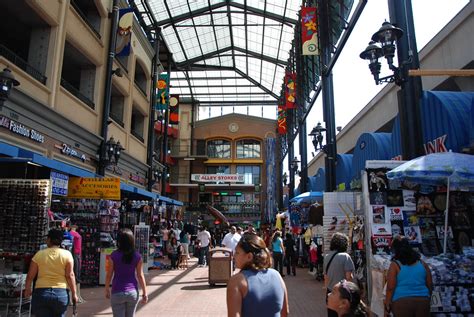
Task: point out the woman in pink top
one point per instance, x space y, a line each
125 262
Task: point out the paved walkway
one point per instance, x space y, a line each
187 293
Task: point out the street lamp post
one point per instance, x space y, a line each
399 36
294 170
317 137
7 82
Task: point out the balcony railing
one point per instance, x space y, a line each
21 63
182 148
73 90
84 18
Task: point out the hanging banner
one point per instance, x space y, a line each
290 90
163 91
174 109
94 188
124 32
309 33
281 120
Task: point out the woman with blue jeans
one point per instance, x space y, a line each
125 262
54 268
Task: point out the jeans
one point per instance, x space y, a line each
50 302
291 260
204 255
124 304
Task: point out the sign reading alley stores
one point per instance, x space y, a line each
94 188
228 178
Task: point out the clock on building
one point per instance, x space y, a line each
233 127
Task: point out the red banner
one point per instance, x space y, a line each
290 90
309 33
281 120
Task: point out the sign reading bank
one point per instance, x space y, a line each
228 178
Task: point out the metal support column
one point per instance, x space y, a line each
165 136
303 157
328 95
151 121
291 155
108 89
401 15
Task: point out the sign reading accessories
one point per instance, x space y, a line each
21 130
228 178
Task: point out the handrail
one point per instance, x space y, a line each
73 90
21 63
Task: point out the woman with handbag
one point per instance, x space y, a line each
337 265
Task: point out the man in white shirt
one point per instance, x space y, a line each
205 239
231 239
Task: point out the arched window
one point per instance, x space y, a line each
218 149
248 148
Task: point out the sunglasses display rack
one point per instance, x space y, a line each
24 207
109 216
86 217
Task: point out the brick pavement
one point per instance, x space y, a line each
187 293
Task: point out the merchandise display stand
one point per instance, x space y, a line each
417 213
142 236
12 302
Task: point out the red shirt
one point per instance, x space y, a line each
77 242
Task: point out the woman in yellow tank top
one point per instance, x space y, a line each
54 268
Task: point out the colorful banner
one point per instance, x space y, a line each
271 200
281 120
309 33
174 109
124 32
290 90
163 91
94 188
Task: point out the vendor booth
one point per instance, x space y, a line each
431 204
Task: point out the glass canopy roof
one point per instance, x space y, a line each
227 52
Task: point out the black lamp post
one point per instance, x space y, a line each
317 136
114 150
7 81
385 42
294 165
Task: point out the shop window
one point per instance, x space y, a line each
89 14
116 106
251 173
138 124
140 78
28 45
78 75
248 148
218 149
220 169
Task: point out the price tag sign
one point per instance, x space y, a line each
59 183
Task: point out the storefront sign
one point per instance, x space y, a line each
228 178
94 188
21 130
66 149
437 145
59 183
137 179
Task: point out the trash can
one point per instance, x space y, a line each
220 265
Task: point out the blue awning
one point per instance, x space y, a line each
7 149
320 180
344 170
146 193
126 187
19 154
370 146
445 119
